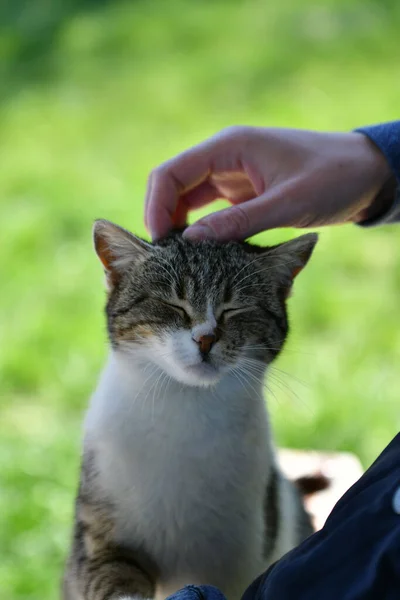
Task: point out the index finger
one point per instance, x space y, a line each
168 182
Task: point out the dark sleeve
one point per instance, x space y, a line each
356 554
387 138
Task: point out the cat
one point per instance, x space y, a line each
179 481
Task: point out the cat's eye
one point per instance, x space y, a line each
229 312
179 309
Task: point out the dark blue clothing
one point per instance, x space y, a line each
356 555
198 592
387 138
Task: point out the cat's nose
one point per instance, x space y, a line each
206 342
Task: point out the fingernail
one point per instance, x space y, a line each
199 232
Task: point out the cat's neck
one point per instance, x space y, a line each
142 391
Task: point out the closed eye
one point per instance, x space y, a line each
178 309
230 312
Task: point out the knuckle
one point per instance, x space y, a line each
158 172
239 220
153 175
235 131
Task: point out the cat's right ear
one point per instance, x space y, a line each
117 249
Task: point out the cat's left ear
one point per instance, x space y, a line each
117 249
291 257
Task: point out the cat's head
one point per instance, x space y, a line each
198 309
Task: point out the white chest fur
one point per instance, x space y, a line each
186 469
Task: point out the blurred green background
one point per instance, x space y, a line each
92 96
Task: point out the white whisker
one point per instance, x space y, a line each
286 374
245 375
164 268
247 265
160 378
152 372
268 268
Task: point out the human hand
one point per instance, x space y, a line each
272 177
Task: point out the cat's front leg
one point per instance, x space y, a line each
99 568
107 579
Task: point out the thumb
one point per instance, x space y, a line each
241 221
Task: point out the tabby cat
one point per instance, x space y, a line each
179 482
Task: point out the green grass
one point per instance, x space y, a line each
91 99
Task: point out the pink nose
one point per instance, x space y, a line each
206 342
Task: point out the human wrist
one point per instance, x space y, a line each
382 180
